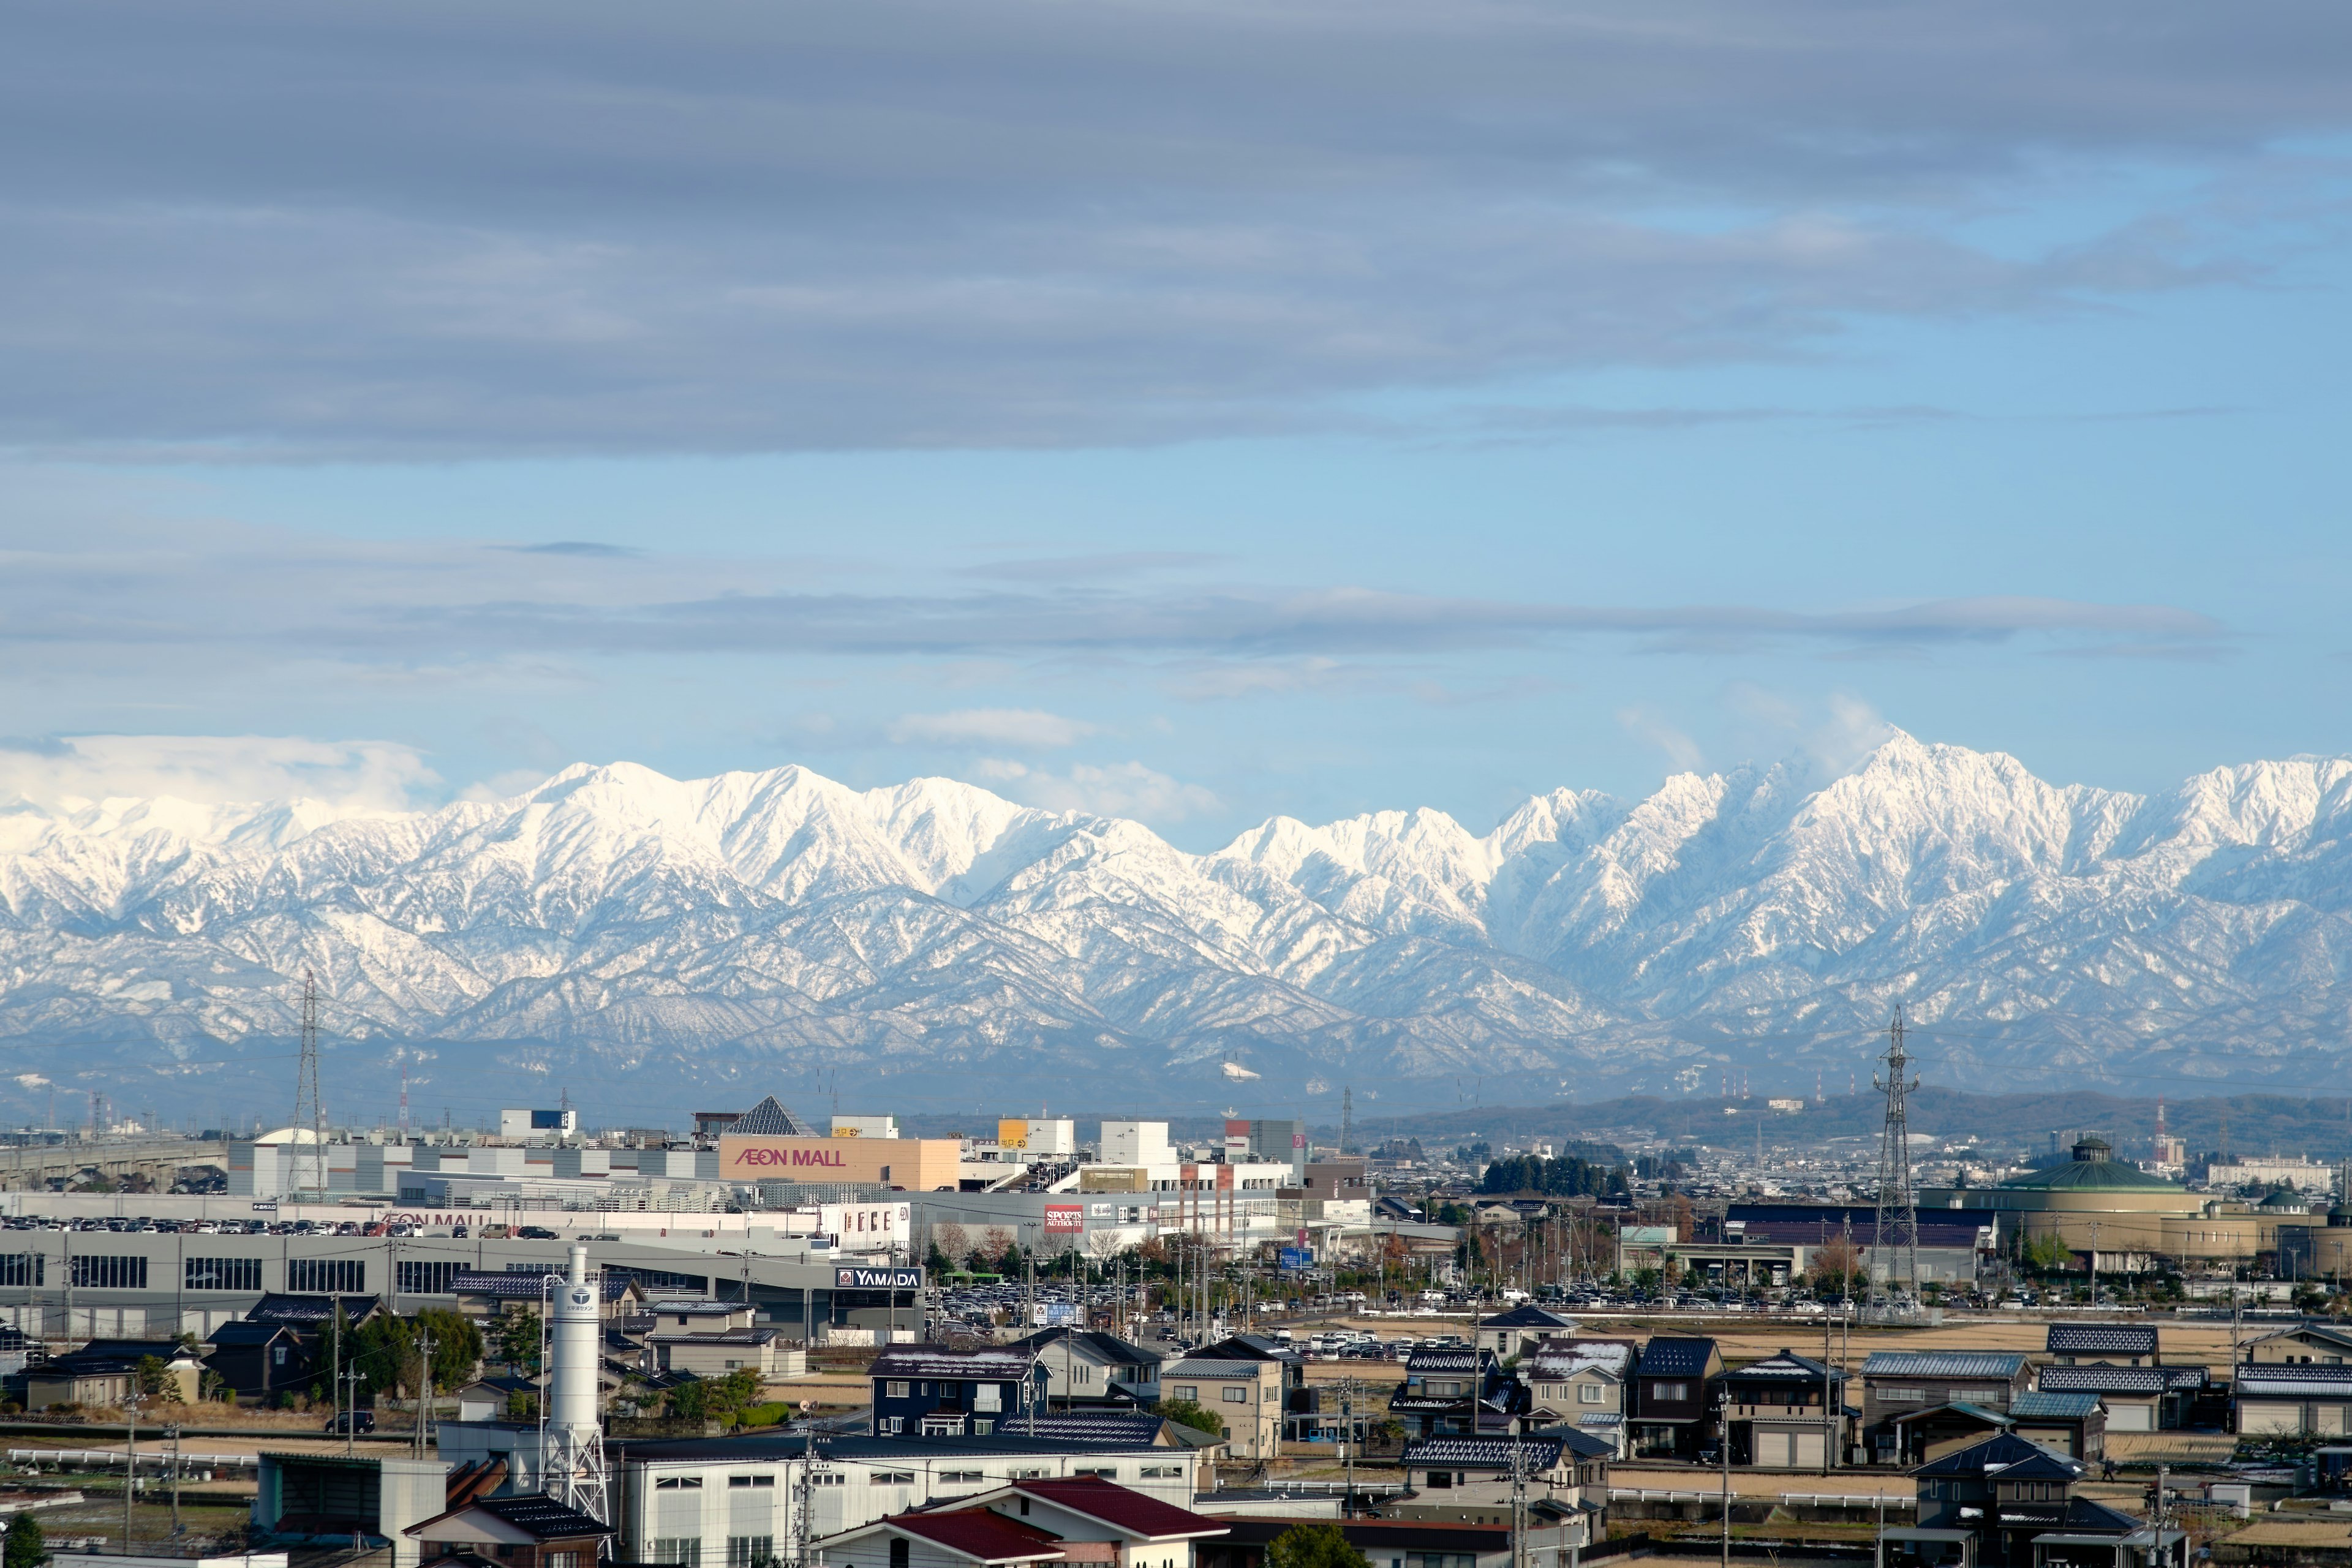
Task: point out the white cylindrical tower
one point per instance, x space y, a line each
574 1331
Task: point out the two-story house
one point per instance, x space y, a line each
931 1390
1786 1412
2009 1503
1085 1368
1903 1382
1580 1384
1454 1391
1672 1411
1244 1394
2313 1398
1563 1477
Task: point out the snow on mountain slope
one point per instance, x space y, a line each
691 927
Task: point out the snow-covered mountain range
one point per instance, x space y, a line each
616 925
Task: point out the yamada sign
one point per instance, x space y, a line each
878 1279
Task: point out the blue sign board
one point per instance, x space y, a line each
1297 1258
878 1279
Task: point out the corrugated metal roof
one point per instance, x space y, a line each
2300 1380
1213 1369
1943 1364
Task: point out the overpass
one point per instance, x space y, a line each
31 1167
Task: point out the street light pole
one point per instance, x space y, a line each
1723 1446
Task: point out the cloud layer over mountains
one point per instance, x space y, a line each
617 924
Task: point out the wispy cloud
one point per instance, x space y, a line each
1117 789
1027 728
342 776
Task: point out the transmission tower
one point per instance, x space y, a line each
1896 1243
1347 1119
308 1114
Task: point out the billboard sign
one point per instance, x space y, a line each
1013 1133
878 1279
1297 1257
1063 1219
1052 1314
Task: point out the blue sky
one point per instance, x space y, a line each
1189 411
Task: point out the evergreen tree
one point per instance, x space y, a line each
25 1547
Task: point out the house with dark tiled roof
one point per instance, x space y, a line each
1456 1391
1899 1383
2104 1344
1563 1474
1521 1330
2010 1503
482 1294
1672 1410
1787 1412
932 1391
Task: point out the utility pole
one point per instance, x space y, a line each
130 1466
425 1388
1831 1400
1723 1446
1897 1235
1519 1503
174 1430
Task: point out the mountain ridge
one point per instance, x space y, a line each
779 922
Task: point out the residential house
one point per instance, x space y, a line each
2104 1344
493 1398
763 1351
2138 1398
2009 1503
2319 1344
1565 1477
1941 1429
1246 1394
1786 1412
1580 1383
934 1391
257 1361
523 1531
1672 1413
2288 1397
1085 1367
2074 1425
696 1314
1897 1383
1521 1330
106 1372
1456 1391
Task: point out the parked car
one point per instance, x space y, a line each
352 1421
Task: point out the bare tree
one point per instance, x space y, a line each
950 1239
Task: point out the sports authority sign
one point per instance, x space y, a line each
913 1164
878 1279
1065 1218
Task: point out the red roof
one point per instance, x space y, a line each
1117 1505
990 1537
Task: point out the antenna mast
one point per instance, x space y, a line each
308 1112
1896 1241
